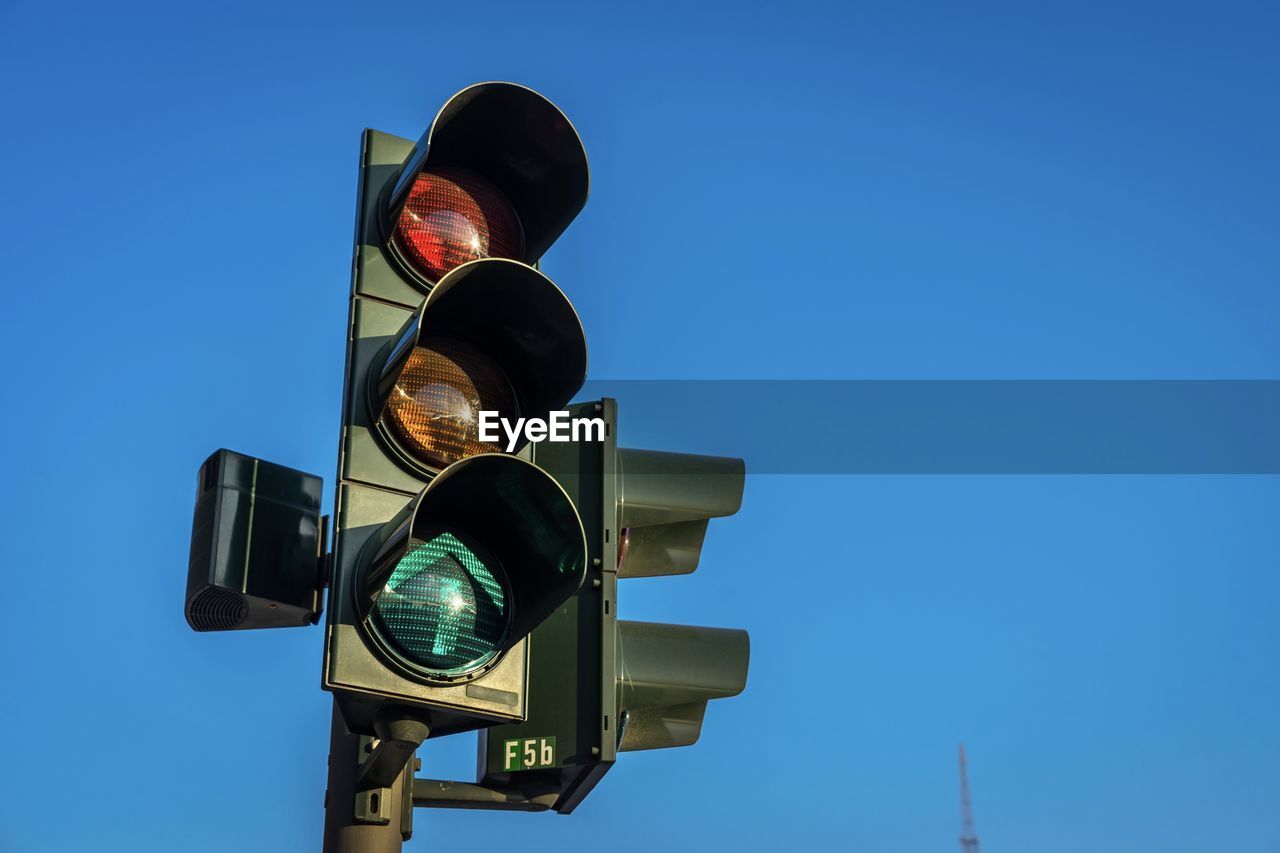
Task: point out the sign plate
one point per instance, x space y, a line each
528 753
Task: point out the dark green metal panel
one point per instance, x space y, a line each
363 459
572 655
376 273
598 685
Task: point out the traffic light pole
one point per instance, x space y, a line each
362 818
371 821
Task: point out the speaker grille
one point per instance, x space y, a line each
216 609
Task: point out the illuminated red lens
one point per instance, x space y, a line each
453 216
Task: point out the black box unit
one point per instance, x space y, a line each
255 546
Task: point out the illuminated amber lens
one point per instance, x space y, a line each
453 216
435 405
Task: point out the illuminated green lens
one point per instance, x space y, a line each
442 608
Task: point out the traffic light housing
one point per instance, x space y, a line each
448 552
668 673
600 685
472 585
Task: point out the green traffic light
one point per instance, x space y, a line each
443 608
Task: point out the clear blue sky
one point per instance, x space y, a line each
794 190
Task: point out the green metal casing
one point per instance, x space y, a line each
598 685
526 325
572 666
373 488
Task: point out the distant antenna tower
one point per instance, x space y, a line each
968 838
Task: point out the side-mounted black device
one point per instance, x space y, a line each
256 546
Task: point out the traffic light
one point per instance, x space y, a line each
447 552
472 584
600 685
668 673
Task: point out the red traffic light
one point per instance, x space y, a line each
452 216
